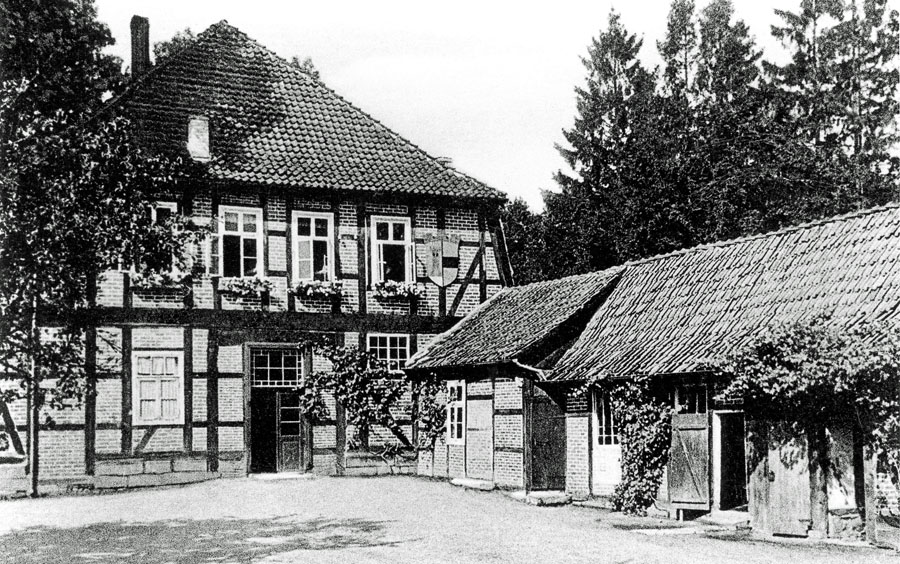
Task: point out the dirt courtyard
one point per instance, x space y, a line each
364 520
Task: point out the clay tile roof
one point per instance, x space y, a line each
513 321
672 313
271 123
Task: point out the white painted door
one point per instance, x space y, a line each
606 466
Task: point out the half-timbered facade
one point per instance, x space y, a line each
323 222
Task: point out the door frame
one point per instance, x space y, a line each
716 453
307 368
596 402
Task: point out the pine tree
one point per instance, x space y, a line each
678 50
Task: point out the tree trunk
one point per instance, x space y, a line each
34 410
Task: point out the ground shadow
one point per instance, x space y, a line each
187 541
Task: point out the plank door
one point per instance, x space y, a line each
688 469
548 444
785 477
292 429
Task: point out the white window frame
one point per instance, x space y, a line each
376 270
456 412
394 367
605 415
218 240
297 239
137 378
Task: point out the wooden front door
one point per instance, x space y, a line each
688 470
292 434
779 479
548 444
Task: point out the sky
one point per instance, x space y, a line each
488 84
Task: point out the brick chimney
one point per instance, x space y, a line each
140 45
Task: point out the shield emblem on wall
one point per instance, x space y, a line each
442 263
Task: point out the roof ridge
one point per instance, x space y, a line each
322 85
739 240
608 271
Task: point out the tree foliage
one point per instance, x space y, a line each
819 371
718 143
163 50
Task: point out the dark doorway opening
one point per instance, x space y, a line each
279 432
548 443
733 464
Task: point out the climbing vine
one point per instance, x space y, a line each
817 371
644 425
370 392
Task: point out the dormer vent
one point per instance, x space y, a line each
198 138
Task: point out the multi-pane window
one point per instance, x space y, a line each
158 387
690 399
238 248
392 250
456 412
276 367
606 430
313 246
392 349
160 213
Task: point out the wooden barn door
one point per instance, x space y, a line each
548 444
779 479
689 462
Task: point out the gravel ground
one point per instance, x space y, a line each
384 520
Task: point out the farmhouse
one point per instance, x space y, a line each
324 223
667 317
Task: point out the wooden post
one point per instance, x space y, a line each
818 486
871 509
212 401
441 217
90 399
527 422
361 254
188 372
482 274
126 390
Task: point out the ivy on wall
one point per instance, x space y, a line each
644 425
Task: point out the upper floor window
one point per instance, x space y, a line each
237 249
313 246
160 213
158 384
392 349
392 250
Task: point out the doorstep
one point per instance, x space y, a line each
541 498
275 476
472 484
726 519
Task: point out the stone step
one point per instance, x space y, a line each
472 484
542 498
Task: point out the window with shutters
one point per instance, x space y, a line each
313 246
392 250
237 248
456 412
157 387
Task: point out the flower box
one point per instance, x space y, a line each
246 287
318 289
158 280
398 290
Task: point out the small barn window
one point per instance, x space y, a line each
690 399
198 138
456 412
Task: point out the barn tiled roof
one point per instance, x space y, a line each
272 124
670 314
505 327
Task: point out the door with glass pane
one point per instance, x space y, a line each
292 434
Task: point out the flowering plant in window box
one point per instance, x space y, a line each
246 287
325 289
391 289
151 280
